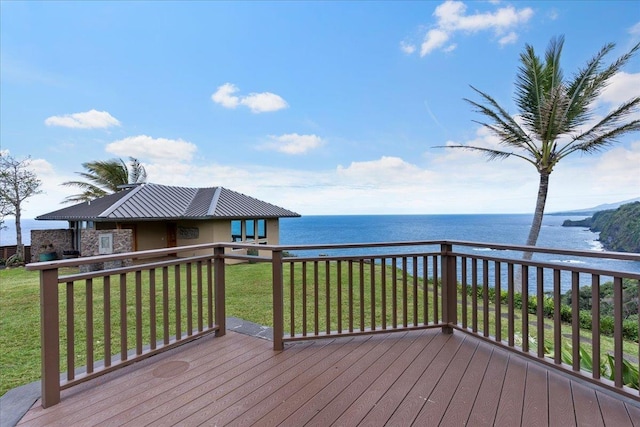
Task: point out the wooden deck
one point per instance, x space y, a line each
422 378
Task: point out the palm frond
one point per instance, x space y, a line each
509 131
490 153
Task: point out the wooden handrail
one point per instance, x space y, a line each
328 296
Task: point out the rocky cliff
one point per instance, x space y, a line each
619 229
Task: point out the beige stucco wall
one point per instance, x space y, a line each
151 235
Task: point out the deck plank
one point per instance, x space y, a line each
282 403
486 404
341 401
512 395
613 411
438 401
586 406
373 394
467 391
536 404
418 394
394 396
560 398
375 380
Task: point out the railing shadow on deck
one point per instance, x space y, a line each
140 305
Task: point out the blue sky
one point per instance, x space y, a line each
319 107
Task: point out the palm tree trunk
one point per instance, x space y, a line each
536 224
534 232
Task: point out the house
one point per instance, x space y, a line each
152 216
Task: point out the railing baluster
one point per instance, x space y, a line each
485 297
372 285
339 296
383 292
189 299
89 324
106 296
165 305
350 278
617 331
361 293
123 317
405 309
511 305
557 327
178 305
292 298
138 312
474 295
327 283
304 299
200 297
394 290
436 284
464 291
575 320
71 334
415 291
524 294
152 309
595 325
316 297
425 289
539 311
498 301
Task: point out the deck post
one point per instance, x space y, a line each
219 290
449 288
49 337
278 300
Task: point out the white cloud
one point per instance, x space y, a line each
160 150
434 39
407 48
292 143
451 18
224 96
91 119
258 102
622 87
510 38
635 30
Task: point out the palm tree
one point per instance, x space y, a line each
554 114
106 177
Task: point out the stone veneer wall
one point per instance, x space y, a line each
50 240
122 242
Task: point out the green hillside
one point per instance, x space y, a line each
619 229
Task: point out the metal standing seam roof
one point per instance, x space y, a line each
154 201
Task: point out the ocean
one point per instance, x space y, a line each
496 228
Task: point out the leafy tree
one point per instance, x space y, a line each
553 116
17 183
106 177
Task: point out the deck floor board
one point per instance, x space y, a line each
409 378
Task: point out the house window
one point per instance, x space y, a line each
262 228
251 229
236 230
248 230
